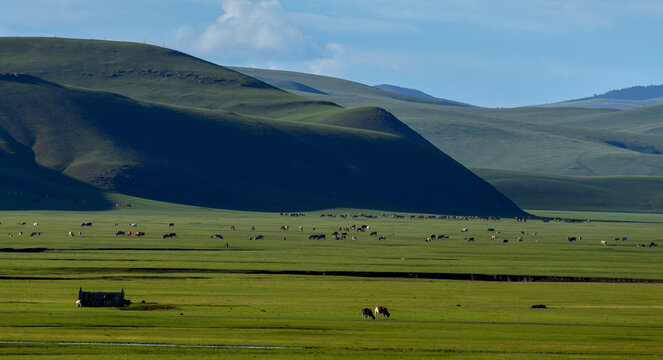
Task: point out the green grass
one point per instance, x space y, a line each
202 293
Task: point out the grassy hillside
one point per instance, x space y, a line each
222 159
596 193
545 140
145 72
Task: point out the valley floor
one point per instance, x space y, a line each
285 296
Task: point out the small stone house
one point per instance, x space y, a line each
101 299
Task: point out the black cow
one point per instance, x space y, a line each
366 313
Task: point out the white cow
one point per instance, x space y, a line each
78 303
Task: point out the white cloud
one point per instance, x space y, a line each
244 25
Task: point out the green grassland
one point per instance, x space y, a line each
200 292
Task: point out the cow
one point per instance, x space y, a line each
71 233
653 244
366 313
381 310
35 224
354 237
464 230
382 237
120 233
470 239
232 227
571 238
301 228
171 224
218 236
603 243
505 241
374 233
86 224
78 303
259 237
284 227
133 225
429 239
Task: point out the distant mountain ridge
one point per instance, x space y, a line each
631 93
622 99
415 92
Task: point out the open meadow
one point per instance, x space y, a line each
285 296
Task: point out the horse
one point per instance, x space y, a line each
366 313
381 310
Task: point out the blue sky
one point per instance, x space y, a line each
484 52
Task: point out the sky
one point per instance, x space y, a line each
494 53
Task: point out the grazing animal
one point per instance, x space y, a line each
120 233
464 230
232 227
382 237
571 238
381 310
259 237
35 224
354 237
116 224
78 303
429 239
86 224
301 228
71 233
218 236
491 229
366 313
171 224
653 244
374 233
470 239
505 241
133 224
284 227
166 236
603 243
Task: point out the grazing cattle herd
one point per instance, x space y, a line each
343 231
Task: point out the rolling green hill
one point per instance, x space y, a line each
599 159
560 141
222 159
